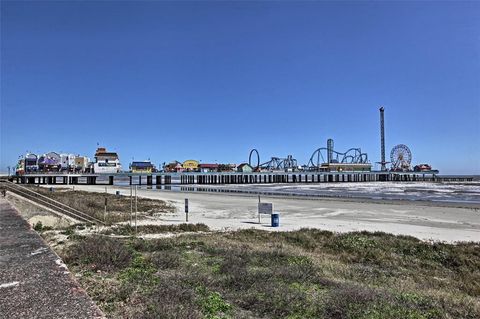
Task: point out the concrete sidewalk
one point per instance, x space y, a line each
34 282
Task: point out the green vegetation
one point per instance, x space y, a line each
40 228
257 274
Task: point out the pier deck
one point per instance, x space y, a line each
190 178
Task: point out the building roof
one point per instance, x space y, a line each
205 165
106 155
141 164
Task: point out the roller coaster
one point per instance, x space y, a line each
321 156
274 164
324 155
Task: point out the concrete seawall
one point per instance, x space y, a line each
34 282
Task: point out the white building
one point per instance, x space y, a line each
106 162
67 162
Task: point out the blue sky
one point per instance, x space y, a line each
212 80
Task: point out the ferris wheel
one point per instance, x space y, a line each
401 158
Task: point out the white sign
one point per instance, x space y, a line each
265 208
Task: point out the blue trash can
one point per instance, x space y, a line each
117 193
275 219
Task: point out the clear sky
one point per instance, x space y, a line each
212 80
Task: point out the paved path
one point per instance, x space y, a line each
34 282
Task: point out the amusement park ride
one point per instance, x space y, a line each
328 159
323 159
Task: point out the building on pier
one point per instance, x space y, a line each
106 162
345 167
190 165
31 163
50 162
174 166
142 167
82 164
244 168
206 167
67 162
227 168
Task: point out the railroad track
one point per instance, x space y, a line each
56 206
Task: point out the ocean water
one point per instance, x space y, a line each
455 192
460 192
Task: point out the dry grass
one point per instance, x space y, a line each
93 204
127 230
301 274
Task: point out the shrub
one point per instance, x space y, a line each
99 253
166 259
38 226
172 298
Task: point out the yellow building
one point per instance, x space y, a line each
142 167
190 165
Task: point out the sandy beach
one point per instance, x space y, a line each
425 220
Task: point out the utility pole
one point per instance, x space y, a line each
131 204
105 211
136 209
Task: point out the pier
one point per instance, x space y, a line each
225 178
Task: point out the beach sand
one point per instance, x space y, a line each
424 220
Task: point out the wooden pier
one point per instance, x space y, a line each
194 178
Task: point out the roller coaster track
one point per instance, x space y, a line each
56 206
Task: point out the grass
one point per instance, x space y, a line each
93 204
128 230
257 274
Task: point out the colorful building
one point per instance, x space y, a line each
190 165
174 166
50 162
205 167
31 163
244 168
82 164
142 167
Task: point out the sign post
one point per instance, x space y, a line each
105 212
186 210
264 208
259 220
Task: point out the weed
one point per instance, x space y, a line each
213 305
141 272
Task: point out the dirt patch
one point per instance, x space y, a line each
49 221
